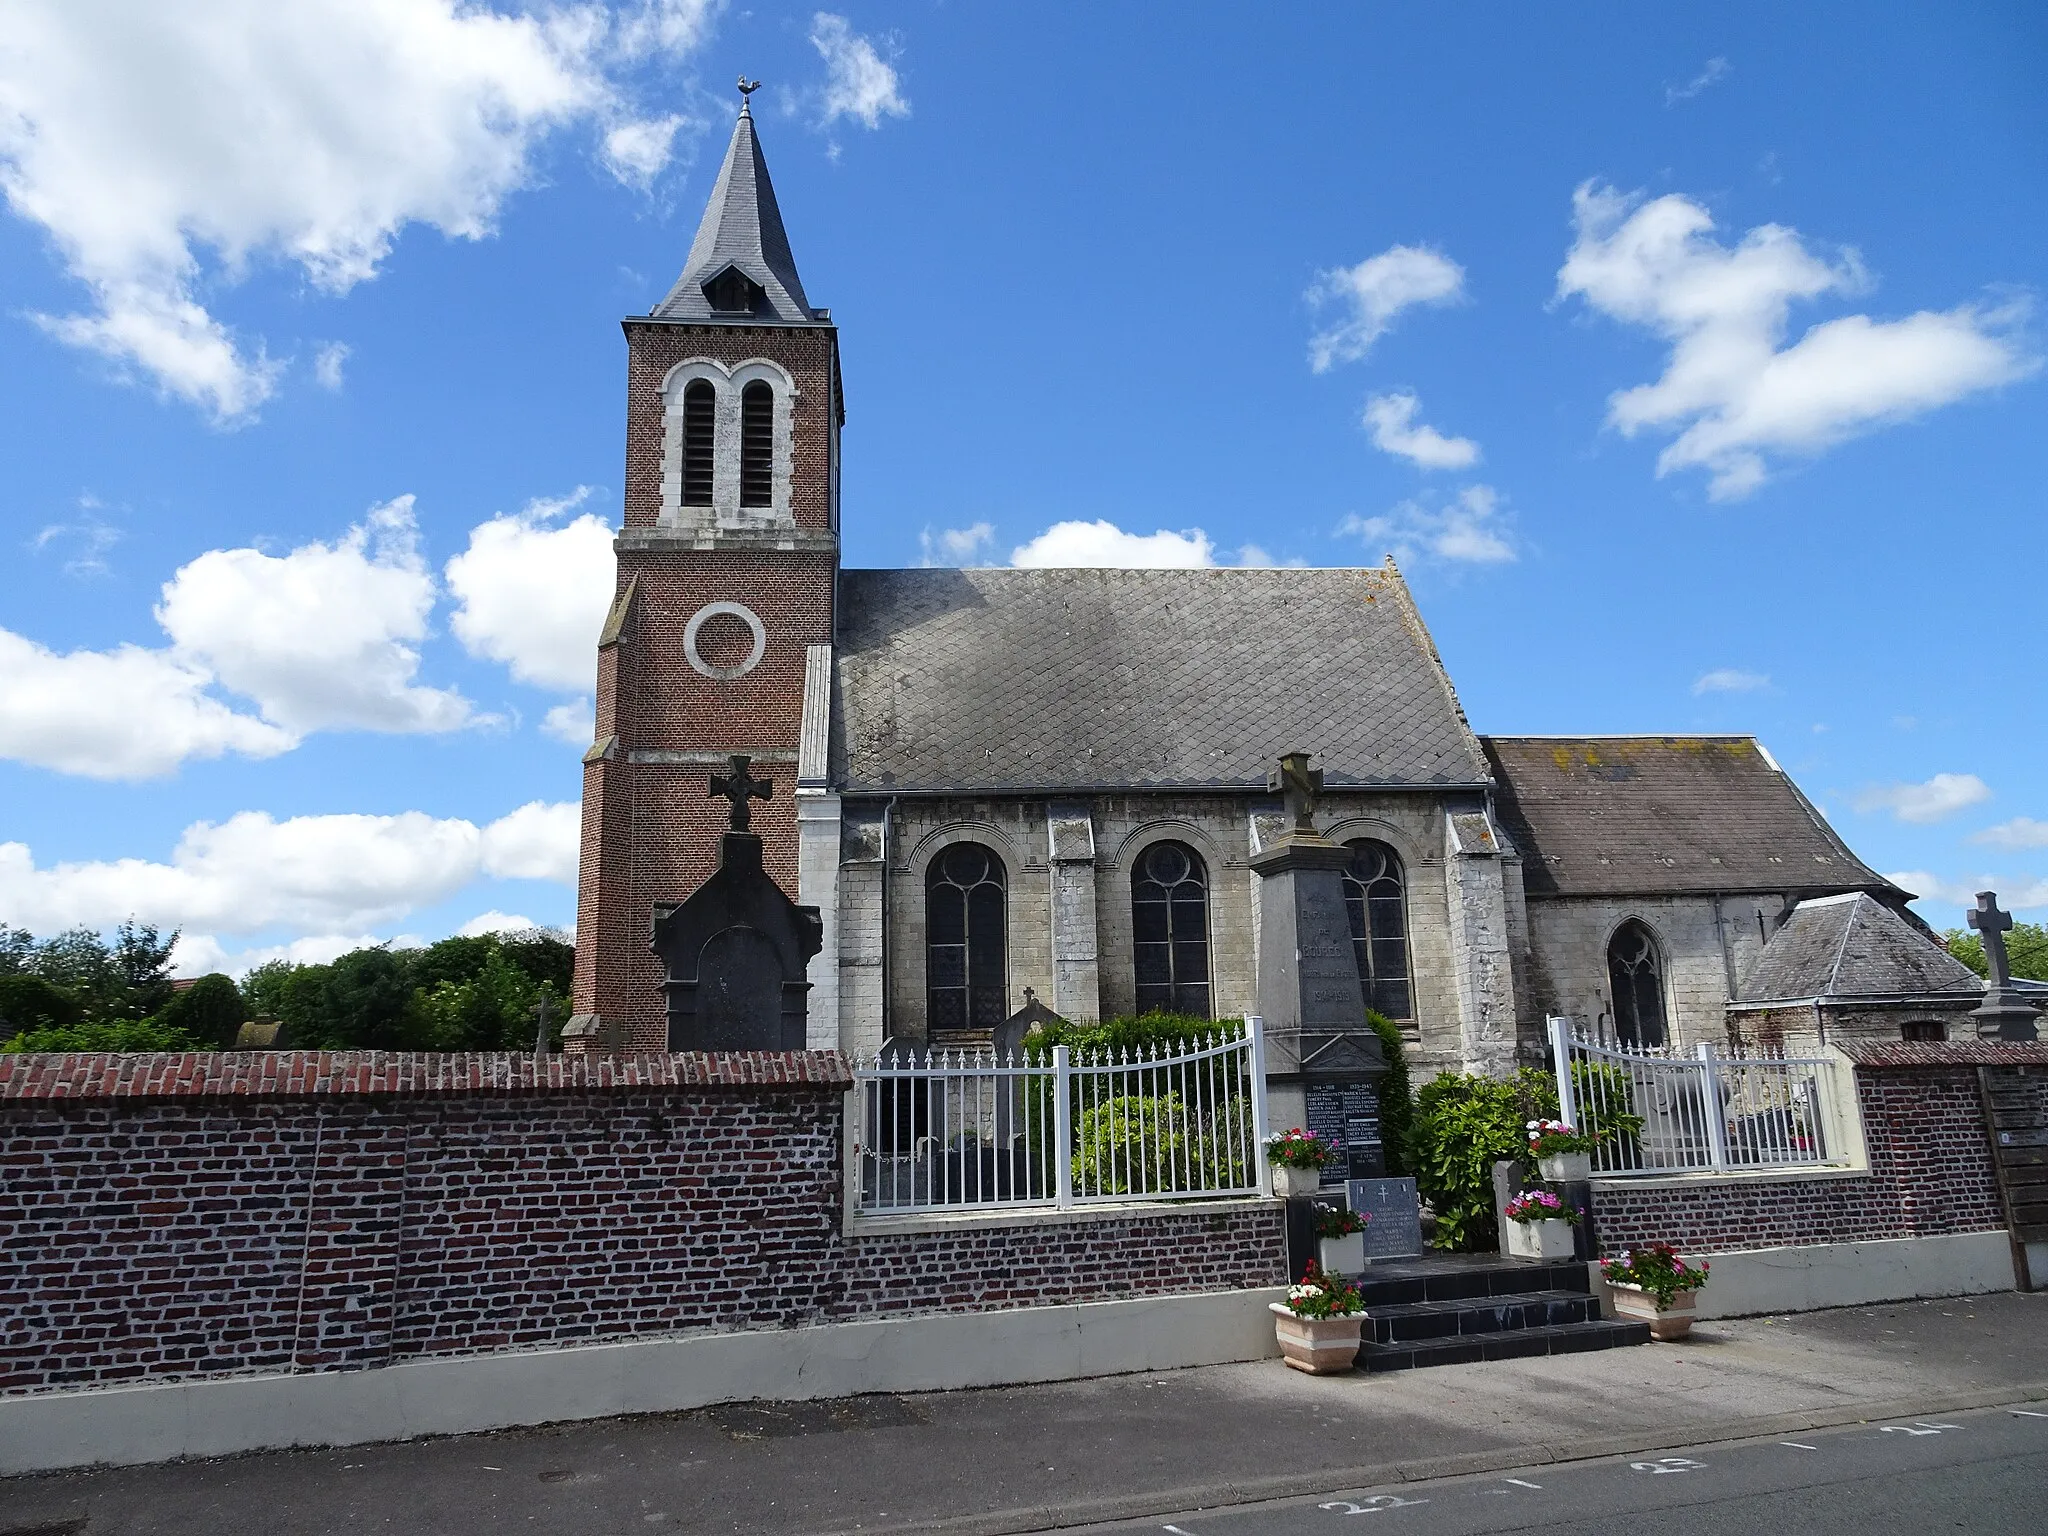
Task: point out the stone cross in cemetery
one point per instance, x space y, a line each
734 954
2005 1013
1300 786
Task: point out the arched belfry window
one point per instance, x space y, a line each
1170 929
966 958
1636 975
757 445
700 410
1377 904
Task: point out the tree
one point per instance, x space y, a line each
263 988
211 1011
78 961
2026 947
30 1003
142 960
364 1005
17 950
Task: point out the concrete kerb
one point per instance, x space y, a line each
1332 1482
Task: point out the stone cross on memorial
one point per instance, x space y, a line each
741 788
1993 925
2005 1013
1300 786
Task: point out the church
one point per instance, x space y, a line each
1050 786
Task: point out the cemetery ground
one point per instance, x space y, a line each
1236 1450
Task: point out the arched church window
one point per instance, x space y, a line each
700 407
757 445
1170 929
966 956
1376 903
1636 975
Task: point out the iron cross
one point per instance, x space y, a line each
1300 784
740 787
1993 925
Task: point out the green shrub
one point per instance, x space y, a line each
1150 1031
120 1035
1397 1101
211 1011
1463 1125
1135 1143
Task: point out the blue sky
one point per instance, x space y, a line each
1691 366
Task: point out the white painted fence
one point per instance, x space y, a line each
1657 1113
961 1130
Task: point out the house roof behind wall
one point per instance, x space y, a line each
1664 815
1849 946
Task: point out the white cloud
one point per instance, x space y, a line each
1395 430
1374 292
313 874
2020 832
1730 680
1714 71
533 595
495 922
574 722
1102 543
127 713
1936 800
2019 894
1731 390
957 546
1469 529
639 150
538 841
328 363
323 637
859 82
168 150
88 538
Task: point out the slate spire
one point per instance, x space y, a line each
741 233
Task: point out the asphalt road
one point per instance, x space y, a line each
1983 1472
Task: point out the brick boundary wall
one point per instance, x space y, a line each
176 1217
1930 1166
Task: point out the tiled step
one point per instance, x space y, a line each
1421 1321
1401 1283
1514 1344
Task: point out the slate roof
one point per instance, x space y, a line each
1850 946
1040 680
1650 815
742 226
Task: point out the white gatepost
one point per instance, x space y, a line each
1062 1128
1561 1063
1255 1027
1710 1106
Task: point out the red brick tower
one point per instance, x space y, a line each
727 564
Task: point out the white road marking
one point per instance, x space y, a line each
1520 1483
1373 1505
1918 1427
1666 1464
1177 1531
1797 1446
2027 1413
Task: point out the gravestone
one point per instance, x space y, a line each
1393 1212
2005 1013
1323 1060
735 953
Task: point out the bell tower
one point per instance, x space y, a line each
722 617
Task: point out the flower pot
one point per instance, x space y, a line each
1322 1346
1637 1304
1549 1240
1566 1167
1341 1255
1296 1181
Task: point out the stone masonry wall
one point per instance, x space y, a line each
171 1217
1930 1174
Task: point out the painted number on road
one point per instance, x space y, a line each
1371 1506
1666 1464
1920 1427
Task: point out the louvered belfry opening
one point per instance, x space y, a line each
757 446
700 406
